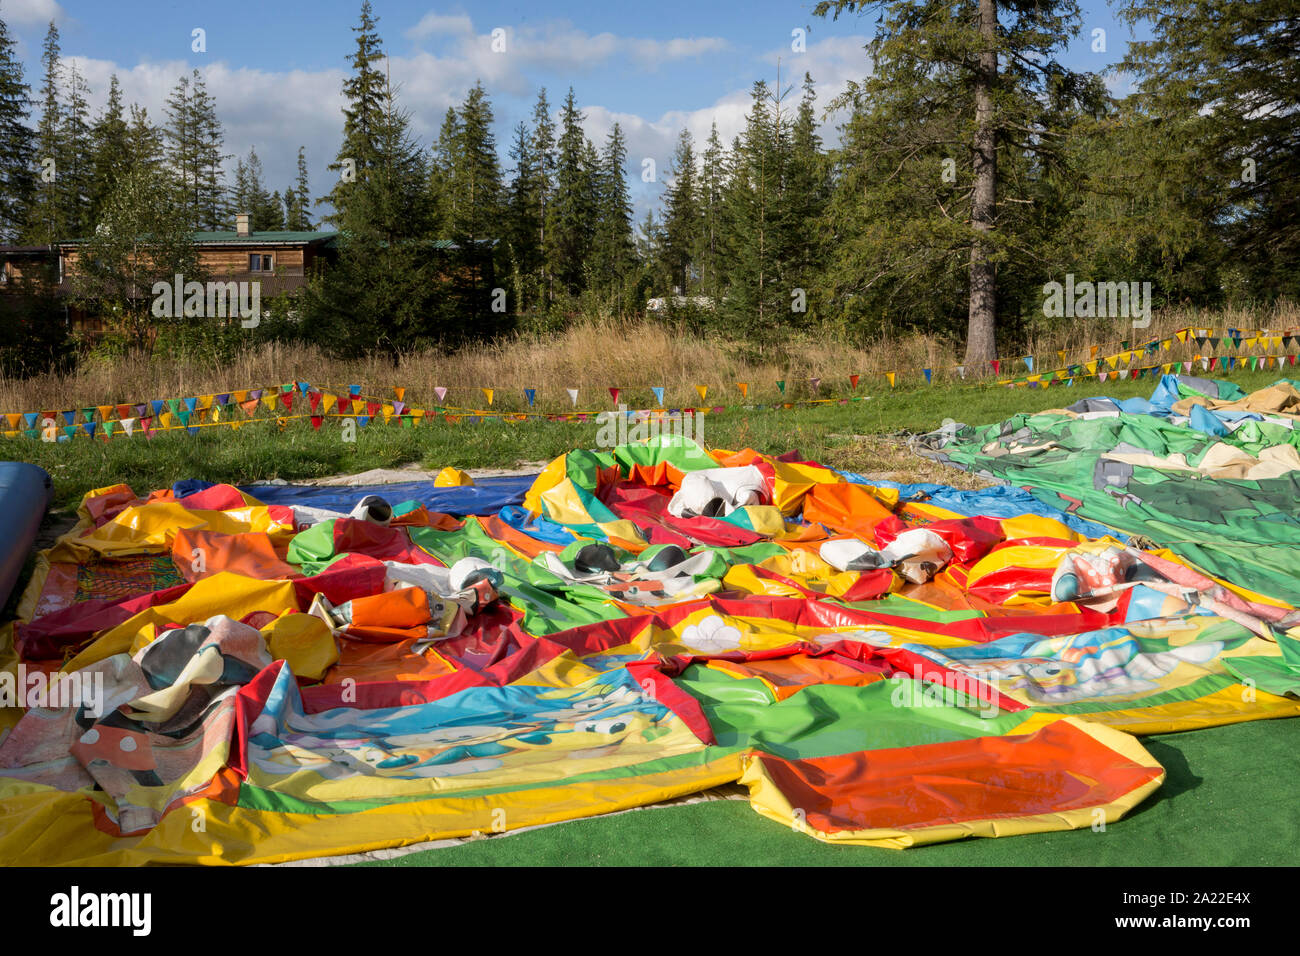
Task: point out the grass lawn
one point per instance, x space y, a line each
1227 799
1226 802
824 433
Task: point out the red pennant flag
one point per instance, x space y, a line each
614 394
316 421
313 398
345 405
372 409
997 365
853 380
286 399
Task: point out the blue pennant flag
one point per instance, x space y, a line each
530 393
659 393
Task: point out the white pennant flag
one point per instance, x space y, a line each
573 396
1101 376
440 391
128 424
961 370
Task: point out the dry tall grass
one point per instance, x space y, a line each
594 355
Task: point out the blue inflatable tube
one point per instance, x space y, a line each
24 496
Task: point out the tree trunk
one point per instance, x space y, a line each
981 326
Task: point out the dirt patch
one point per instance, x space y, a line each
890 458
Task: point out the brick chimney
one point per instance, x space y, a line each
241 224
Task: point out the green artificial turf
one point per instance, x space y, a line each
1227 801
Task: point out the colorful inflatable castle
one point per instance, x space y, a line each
210 674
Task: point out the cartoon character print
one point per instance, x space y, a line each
1101 664
594 721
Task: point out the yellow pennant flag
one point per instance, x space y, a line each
166 419
269 400
388 412
327 401
891 376
205 401
216 414
488 393
703 390
1182 336
1060 353
1092 367
744 389
104 412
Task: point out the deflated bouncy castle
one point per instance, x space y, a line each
274 673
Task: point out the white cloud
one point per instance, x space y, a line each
435 24
30 12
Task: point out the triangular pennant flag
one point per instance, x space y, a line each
613 393
573 396
439 390
286 399
399 407
107 429
487 393
363 420
124 411
104 412
1091 367
128 425
313 399
249 407
891 376
531 395
703 390
997 365
1182 336
1101 376
14 419
744 389
316 421
223 398
1092 351
961 370
1061 355
354 390
372 409
327 402
269 400
400 393
659 393
388 413
30 419
781 386
203 402
853 381
814 384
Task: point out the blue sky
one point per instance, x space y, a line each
655 66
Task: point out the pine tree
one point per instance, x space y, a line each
77 173
972 79
477 213
144 140
363 116
110 151
613 253
444 162
298 214
45 219
570 214
16 181
522 222
543 184
212 209
713 176
682 216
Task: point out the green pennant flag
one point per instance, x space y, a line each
781 386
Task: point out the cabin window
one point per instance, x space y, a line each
259 263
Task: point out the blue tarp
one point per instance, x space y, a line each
1000 501
486 496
